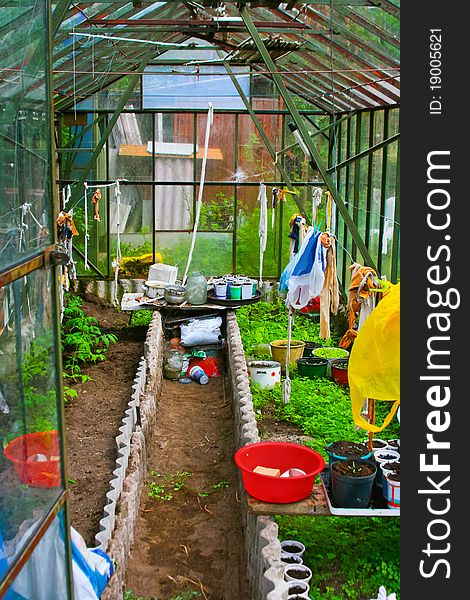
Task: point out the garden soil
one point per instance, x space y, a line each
193 541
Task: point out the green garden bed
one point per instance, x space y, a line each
350 557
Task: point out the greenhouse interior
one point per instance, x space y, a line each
199 194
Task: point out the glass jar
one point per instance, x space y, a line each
173 365
196 289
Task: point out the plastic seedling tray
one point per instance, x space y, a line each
377 508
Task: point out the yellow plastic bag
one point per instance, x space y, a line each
374 363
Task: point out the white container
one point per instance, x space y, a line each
294 587
393 491
161 272
379 457
247 290
297 573
292 547
266 373
220 288
291 559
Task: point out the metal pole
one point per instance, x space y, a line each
359 155
383 193
396 226
305 136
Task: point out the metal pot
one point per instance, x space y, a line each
154 289
175 294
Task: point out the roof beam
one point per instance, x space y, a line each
263 135
307 140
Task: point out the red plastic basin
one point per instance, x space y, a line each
282 456
36 473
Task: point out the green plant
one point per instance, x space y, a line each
163 486
330 352
215 487
141 318
342 569
264 322
83 342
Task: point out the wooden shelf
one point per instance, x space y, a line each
314 506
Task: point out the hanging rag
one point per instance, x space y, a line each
374 361
298 230
307 278
95 200
360 299
329 295
262 228
317 193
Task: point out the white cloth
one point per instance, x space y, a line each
308 285
262 227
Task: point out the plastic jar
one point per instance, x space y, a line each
196 289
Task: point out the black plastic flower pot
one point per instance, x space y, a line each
309 348
352 490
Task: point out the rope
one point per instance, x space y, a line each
209 123
85 185
262 228
287 383
116 262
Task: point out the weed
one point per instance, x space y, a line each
215 487
164 486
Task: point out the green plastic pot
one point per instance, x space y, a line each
312 367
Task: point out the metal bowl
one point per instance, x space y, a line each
175 294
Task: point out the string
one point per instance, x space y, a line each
86 236
116 262
209 123
74 77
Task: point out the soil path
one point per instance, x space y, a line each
93 419
192 541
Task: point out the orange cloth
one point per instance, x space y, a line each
362 281
329 296
65 218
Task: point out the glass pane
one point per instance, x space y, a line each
30 479
217 210
130 147
212 252
25 219
135 219
220 164
254 161
45 573
248 238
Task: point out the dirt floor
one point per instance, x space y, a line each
92 419
192 541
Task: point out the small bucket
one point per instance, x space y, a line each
266 373
234 291
247 290
220 289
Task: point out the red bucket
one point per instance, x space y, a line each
23 451
282 456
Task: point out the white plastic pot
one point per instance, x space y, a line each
265 373
297 588
298 573
292 547
393 491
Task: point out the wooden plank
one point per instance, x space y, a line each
141 150
314 506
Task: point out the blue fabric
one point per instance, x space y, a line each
306 260
97 580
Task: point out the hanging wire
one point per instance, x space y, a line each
74 76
